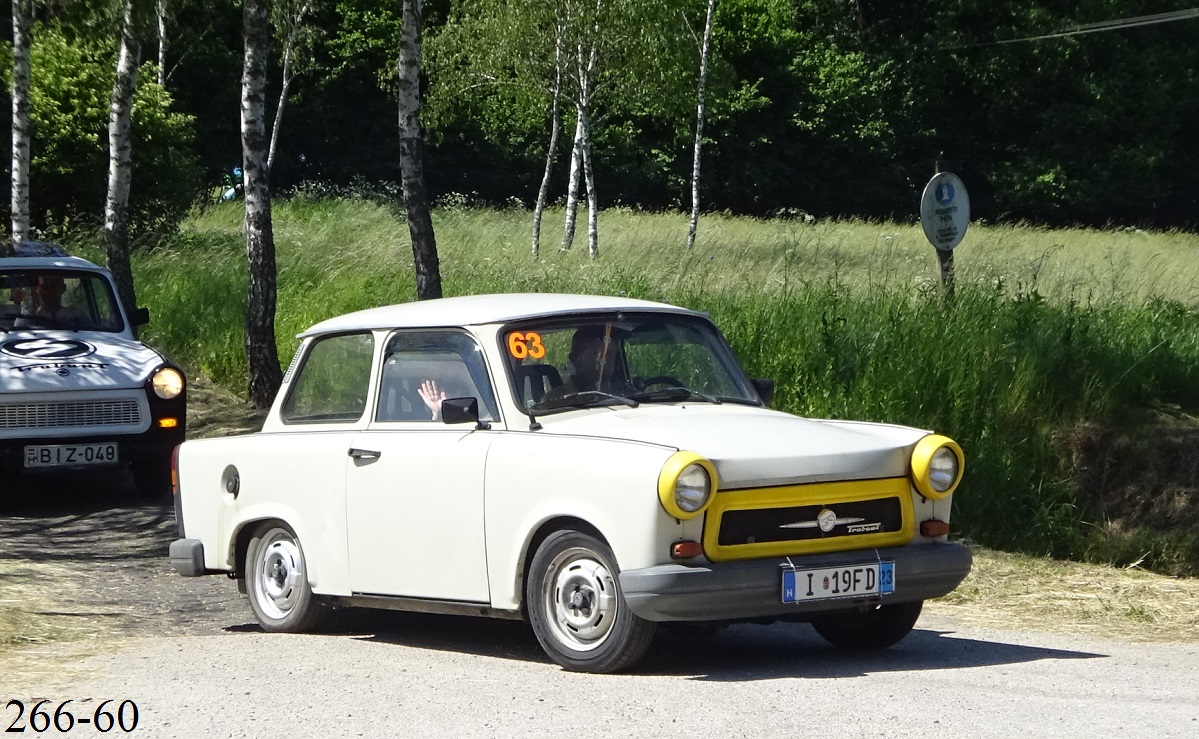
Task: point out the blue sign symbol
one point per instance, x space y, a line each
944 193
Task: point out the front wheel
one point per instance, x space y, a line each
277 582
576 607
876 627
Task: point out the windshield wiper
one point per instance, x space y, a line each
675 393
582 399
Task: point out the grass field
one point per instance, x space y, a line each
1061 352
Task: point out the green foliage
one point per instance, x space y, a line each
71 86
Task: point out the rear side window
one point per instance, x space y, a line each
332 382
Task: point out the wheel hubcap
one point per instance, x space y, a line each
280 574
580 598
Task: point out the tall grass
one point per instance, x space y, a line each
1049 330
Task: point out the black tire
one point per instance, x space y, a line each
877 627
277 582
576 607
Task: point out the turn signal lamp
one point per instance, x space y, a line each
933 528
168 423
937 464
686 549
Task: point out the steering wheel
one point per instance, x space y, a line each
667 380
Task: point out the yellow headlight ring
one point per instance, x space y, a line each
922 457
669 477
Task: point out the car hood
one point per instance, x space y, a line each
753 447
52 361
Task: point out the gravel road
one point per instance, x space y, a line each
186 651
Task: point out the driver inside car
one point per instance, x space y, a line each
596 364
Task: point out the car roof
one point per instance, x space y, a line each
48 263
475 310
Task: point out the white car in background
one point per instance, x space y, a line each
597 466
78 390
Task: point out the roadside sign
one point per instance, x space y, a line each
945 211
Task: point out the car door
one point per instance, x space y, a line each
415 486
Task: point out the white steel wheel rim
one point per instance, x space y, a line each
580 599
279 579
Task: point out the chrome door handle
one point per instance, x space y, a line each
364 454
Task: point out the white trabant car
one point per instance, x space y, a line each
597 466
78 391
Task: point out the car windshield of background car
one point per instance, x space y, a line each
57 299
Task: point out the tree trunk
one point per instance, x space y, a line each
262 356
699 123
572 188
555 128
160 12
22 21
412 175
289 50
592 200
120 161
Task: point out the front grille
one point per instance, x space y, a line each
70 414
803 523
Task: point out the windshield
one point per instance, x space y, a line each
628 359
33 299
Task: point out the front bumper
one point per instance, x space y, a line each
752 589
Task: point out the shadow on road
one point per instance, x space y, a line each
739 653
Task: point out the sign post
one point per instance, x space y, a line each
945 216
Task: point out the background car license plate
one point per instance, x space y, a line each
823 583
63 455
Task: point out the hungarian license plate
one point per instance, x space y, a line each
69 455
801 585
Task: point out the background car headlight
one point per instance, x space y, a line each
686 485
167 383
937 464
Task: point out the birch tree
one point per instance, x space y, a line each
416 198
262 355
295 37
120 159
705 45
22 21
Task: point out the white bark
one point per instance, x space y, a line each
22 21
160 13
555 128
699 123
572 188
412 173
120 159
592 201
290 43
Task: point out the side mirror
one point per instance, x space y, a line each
462 410
140 317
765 388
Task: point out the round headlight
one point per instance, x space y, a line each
943 469
167 383
937 464
692 489
686 485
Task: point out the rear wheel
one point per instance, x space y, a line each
576 607
877 627
277 582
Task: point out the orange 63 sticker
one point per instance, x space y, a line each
528 344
